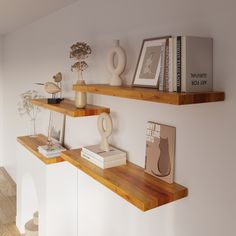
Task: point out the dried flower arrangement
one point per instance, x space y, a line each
25 106
80 51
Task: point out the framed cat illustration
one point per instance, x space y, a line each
160 151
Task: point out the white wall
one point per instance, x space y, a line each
205 157
1 100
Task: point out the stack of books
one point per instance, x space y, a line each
186 64
51 150
94 154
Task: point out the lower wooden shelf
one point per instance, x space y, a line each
32 143
130 182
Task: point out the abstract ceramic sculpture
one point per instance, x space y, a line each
116 67
105 129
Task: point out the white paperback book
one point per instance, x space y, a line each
96 152
196 64
104 164
51 151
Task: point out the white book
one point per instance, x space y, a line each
102 159
55 149
183 64
104 165
50 155
196 64
101 155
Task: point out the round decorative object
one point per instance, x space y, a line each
80 97
105 127
117 69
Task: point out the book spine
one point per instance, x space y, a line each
92 160
104 165
166 67
174 65
92 154
103 159
178 64
170 82
161 76
183 64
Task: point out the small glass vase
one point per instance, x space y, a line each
33 127
80 97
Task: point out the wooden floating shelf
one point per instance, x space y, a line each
32 142
130 182
67 107
150 94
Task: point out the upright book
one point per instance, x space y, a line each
196 64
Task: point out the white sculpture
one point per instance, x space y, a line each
105 127
116 70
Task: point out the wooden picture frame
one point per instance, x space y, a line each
150 62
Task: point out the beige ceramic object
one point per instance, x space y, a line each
51 88
116 68
105 127
80 97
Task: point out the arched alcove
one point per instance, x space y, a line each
29 198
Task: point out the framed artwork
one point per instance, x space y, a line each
160 151
56 129
150 63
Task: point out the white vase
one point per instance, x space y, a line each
80 97
116 70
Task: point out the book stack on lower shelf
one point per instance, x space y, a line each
50 151
102 159
33 142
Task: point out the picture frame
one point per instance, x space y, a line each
150 62
56 129
160 151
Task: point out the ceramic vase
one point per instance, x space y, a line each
80 97
116 61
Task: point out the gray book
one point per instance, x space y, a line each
196 64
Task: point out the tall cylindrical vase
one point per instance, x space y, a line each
80 97
32 127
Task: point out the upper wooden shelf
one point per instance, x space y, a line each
150 94
67 107
32 143
130 182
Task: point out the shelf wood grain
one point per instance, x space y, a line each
67 107
32 143
150 94
130 182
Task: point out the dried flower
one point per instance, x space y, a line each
80 51
25 107
79 66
